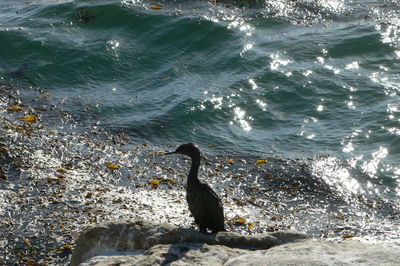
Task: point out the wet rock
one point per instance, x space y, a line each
161 243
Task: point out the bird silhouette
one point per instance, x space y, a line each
204 203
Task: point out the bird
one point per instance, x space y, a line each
204 204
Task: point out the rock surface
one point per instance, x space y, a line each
145 243
128 236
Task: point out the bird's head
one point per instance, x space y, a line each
188 149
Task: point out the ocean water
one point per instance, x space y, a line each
313 82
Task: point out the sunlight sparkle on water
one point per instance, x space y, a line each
371 167
216 101
262 104
352 65
278 61
350 104
307 73
348 147
304 128
333 69
352 89
239 116
312 136
253 84
394 131
246 47
389 33
240 24
378 78
113 44
392 108
336 176
334 5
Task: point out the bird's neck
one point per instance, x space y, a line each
194 170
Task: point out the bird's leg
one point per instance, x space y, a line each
203 229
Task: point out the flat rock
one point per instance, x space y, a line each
146 243
321 252
140 236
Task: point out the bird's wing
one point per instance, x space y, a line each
210 192
213 206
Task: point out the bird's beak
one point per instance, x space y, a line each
168 153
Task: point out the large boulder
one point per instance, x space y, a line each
146 243
139 236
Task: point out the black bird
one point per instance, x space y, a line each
204 203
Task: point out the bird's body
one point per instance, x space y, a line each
206 207
204 203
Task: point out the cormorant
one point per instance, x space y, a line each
204 203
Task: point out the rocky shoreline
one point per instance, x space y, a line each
59 175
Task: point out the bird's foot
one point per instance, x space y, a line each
203 230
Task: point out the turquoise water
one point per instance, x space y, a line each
292 79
